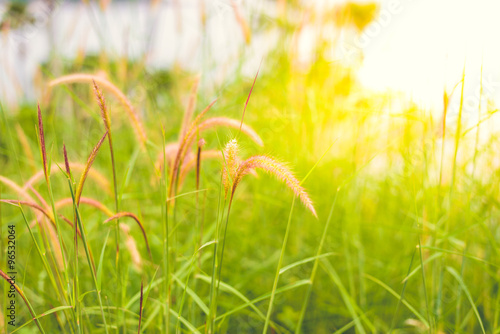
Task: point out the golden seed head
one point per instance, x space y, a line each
277 169
231 163
42 144
66 161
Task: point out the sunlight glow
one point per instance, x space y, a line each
423 49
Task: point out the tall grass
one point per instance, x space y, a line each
402 237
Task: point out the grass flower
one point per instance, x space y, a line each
42 145
172 149
88 165
106 84
66 162
183 147
235 171
231 161
188 113
277 169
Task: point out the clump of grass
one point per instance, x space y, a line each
76 196
183 148
233 171
107 125
196 128
172 149
59 247
51 228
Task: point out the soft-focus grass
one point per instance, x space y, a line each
401 250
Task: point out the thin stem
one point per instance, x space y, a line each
276 278
75 282
315 266
213 296
87 253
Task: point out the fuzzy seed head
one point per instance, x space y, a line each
231 163
66 161
277 169
184 144
102 106
42 143
86 170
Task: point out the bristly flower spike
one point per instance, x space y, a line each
230 163
66 161
88 165
42 143
271 166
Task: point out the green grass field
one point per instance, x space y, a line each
406 238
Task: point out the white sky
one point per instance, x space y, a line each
425 45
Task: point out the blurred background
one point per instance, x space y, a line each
417 47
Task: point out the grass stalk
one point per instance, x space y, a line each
25 299
46 169
315 266
278 268
89 260
210 326
76 285
424 286
164 190
140 307
101 101
401 299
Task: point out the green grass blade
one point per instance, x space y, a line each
460 281
395 294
